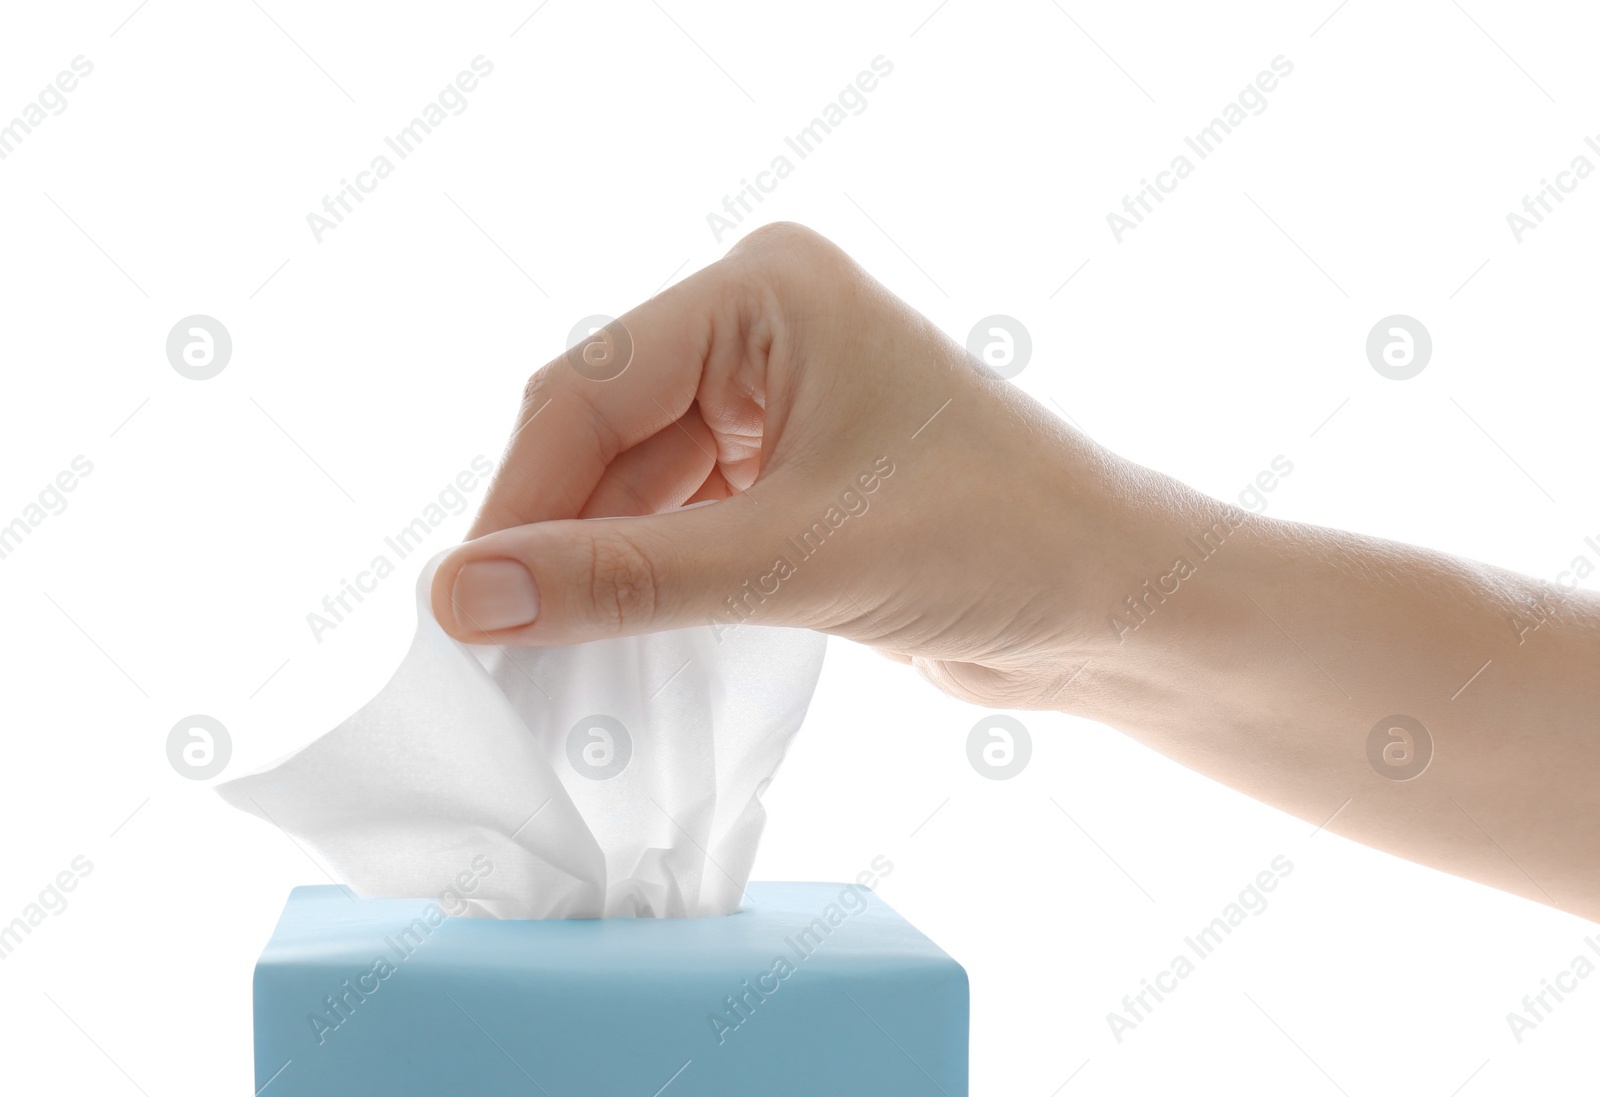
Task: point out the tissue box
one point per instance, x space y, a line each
809 989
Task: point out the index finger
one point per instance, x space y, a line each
630 379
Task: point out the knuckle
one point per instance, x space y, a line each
787 260
779 233
622 582
537 389
785 242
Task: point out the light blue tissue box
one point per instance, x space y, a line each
810 989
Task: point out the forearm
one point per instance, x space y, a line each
1270 665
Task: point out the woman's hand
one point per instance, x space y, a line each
863 476
872 480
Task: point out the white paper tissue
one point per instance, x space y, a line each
618 778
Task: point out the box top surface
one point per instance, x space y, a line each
824 924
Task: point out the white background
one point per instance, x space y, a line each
369 369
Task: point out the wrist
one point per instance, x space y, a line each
1175 587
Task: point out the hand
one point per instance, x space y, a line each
864 476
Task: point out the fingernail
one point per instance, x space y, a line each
494 594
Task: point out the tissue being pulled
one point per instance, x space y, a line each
618 778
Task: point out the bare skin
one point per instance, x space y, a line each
1017 564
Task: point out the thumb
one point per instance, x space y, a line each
568 581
